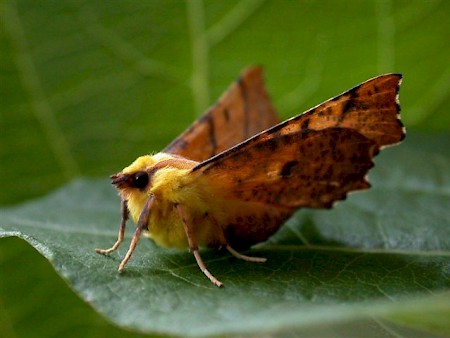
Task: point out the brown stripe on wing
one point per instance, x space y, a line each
246 108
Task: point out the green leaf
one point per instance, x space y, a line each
367 261
87 86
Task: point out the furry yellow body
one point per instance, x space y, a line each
171 186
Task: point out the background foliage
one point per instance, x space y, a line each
86 86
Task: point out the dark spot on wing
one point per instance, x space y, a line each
305 124
212 132
287 168
349 105
226 114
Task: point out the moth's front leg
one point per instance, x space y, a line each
125 213
192 241
142 225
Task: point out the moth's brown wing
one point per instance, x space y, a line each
371 108
243 111
303 168
310 160
264 180
317 157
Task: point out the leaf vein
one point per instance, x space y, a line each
230 22
43 111
200 55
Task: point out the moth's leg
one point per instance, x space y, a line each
245 257
123 222
142 224
193 246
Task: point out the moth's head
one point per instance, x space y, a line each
136 178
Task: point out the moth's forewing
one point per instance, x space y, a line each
243 111
302 168
310 160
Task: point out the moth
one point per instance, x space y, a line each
236 174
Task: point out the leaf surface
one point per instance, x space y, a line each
368 258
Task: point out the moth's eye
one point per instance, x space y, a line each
140 179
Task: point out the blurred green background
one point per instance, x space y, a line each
87 86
